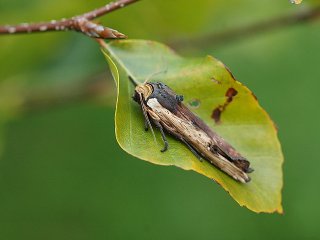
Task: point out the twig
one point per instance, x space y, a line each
247 31
81 23
99 88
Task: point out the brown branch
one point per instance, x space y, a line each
81 23
247 31
98 88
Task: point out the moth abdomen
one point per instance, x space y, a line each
240 162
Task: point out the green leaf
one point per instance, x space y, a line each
296 1
204 83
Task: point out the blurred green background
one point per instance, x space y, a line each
62 174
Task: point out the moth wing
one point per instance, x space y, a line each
221 145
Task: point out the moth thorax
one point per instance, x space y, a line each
145 89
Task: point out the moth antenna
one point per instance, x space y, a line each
147 118
154 74
135 83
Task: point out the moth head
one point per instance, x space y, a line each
144 90
166 92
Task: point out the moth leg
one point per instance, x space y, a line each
163 136
146 118
178 136
192 149
146 126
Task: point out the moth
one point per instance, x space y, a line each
164 108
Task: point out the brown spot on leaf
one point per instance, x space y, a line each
229 71
216 113
231 92
255 97
215 80
275 125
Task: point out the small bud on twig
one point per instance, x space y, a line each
81 23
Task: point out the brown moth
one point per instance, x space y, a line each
164 108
